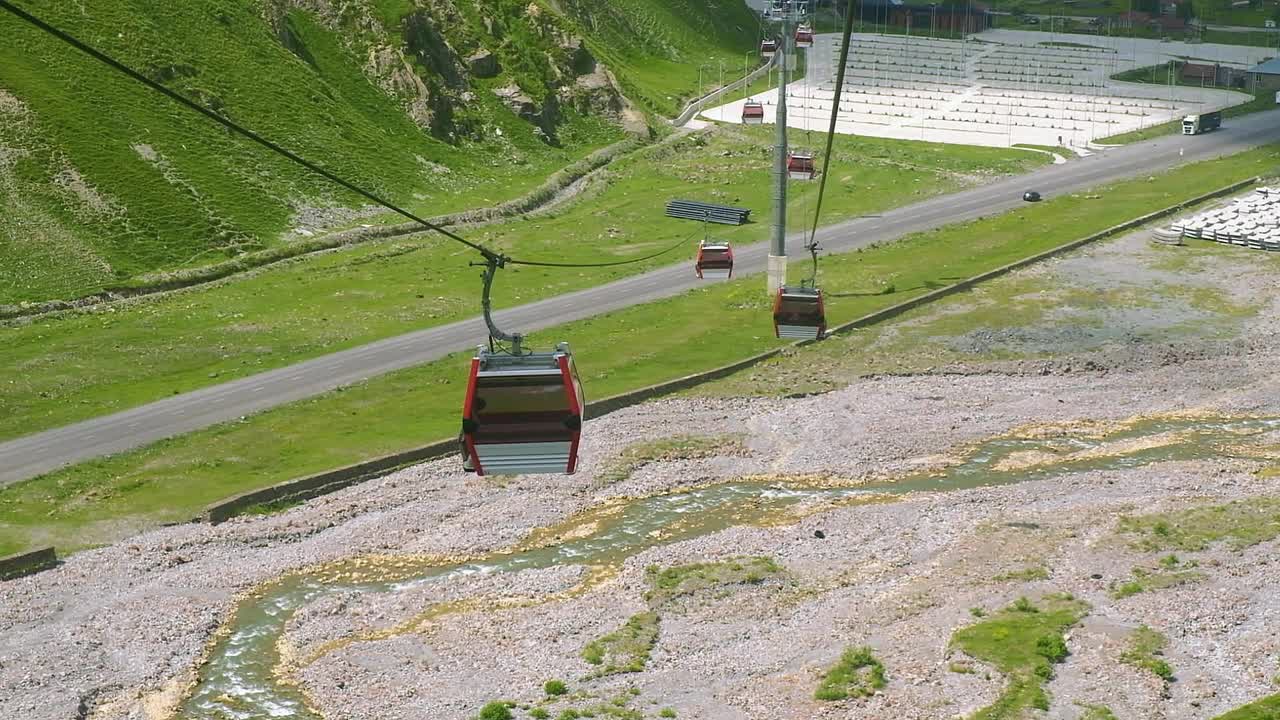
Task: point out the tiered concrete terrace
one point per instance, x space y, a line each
999 88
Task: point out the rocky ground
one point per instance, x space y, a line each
119 632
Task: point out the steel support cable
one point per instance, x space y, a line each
273 147
831 129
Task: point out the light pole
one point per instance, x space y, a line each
700 67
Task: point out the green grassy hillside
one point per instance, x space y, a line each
657 46
102 179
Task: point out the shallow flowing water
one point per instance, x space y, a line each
237 681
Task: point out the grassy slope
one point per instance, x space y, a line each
657 46
102 500
80 365
204 194
93 209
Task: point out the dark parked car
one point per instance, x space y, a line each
1031 196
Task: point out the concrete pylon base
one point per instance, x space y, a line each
777 270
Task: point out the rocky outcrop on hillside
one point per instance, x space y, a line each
432 58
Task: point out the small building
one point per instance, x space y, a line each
1199 73
1265 76
1212 75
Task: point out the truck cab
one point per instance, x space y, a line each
1202 123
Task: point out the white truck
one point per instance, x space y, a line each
1202 123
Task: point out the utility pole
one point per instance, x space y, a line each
777 265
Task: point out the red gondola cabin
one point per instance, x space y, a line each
715 261
798 313
753 113
768 48
800 165
804 36
522 413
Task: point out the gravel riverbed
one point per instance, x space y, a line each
118 632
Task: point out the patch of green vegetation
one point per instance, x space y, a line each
105 499
555 688
82 364
961 668
1037 572
496 710
538 713
666 712
1144 651
680 447
1239 523
1096 712
1267 708
977 612
1149 580
669 583
1023 641
857 674
626 649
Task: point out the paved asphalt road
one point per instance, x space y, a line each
36 454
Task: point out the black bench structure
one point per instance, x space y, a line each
710 212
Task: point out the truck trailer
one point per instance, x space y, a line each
1202 123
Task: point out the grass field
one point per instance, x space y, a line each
103 500
80 365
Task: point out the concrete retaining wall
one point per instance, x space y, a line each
695 106
27 563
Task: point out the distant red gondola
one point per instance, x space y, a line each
522 413
753 113
800 165
804 36
768 48
798 313
715 260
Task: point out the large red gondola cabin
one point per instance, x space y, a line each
753 113
800 165
715 261
804 36
798 313
522 414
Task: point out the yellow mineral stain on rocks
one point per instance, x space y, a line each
1029 459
